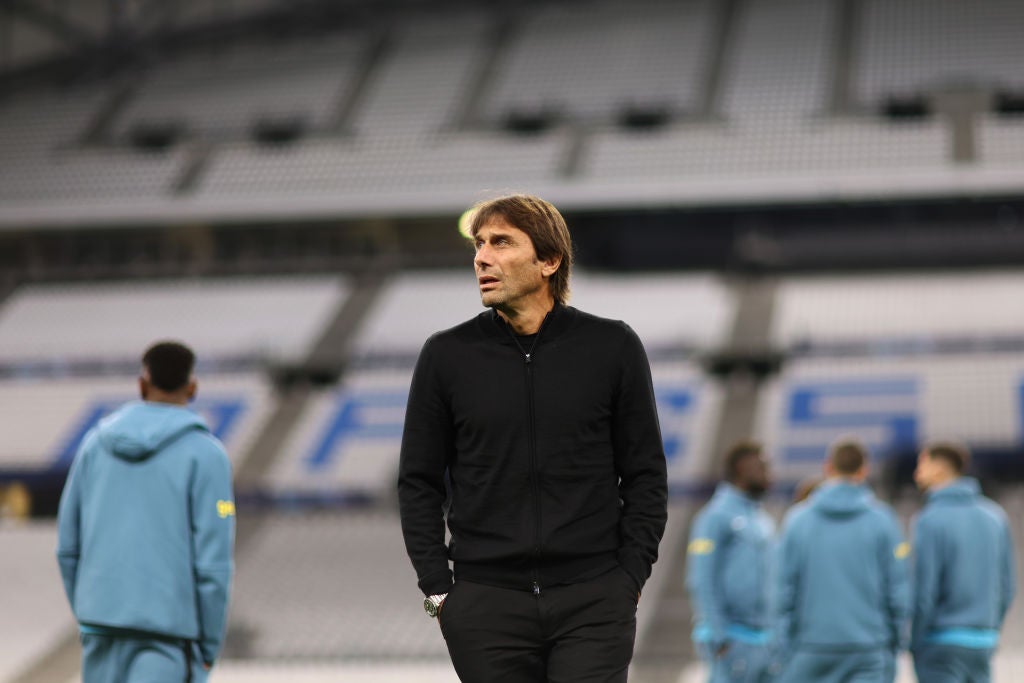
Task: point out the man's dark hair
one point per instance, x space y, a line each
957 456
170 365
544 225
847 457
735 455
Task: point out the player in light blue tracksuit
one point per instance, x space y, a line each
729 567
145 534
844 595
964 577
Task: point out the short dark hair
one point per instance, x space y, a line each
847 456
544 225
169 364
736 454
956 455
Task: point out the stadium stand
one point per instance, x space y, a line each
35 614
905 309
587 62
47 418
908 47
226 94
772 80
269 320
894 403
288 592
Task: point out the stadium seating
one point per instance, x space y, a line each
310 588
904 310
36 616
909 47
265 320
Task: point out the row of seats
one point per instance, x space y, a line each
590 62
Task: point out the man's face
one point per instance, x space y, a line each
754 474
507 268
926 471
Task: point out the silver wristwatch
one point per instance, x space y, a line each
433 603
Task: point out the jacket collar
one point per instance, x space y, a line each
557 321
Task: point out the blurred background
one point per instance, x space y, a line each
812 212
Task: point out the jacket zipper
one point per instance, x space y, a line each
534 477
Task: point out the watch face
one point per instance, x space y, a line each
430 607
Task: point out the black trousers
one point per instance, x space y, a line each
580 633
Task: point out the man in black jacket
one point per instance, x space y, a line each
537 423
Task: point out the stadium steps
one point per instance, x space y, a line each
714 78
501 35
844 58
352 97
325 362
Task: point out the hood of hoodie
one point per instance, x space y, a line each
840 499
963 490
139 429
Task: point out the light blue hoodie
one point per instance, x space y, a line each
963 568
146 527
729 569
843 581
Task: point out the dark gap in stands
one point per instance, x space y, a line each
156 136
1009 103
531 121
906 107
278 131
644 117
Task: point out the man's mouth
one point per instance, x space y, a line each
486 280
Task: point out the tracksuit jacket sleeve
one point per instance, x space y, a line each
640 462
787 587
213 534
897 584
69 526
927 565
427 441
1008 575
703 554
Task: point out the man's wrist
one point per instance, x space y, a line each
432 604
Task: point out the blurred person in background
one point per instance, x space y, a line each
15 501
964 575
145 533
540 420
729 571
843 589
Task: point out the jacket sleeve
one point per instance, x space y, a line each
640 462
787 577
895 552
427 442
69 523
704 553
927 565
1008 574
213 536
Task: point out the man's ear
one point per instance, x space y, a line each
143 388
193 389
549 267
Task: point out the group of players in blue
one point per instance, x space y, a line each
838 593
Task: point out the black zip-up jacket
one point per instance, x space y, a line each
552 449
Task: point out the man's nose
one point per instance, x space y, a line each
482 257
